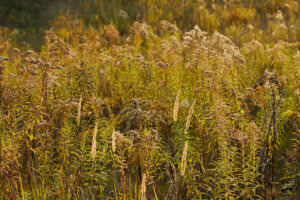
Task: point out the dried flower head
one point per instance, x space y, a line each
184 104
167 27
111 34
140 31
123 14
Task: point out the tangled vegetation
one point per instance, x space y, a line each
155 99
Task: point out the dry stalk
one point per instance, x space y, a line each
94 142
79 110
176 106
113 142
144 187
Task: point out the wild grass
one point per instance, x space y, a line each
140 107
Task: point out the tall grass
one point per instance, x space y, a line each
142 108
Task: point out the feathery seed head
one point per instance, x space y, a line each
113 142
94 142
79 110
184 158
176 106
189 117
144 187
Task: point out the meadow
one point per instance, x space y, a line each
150 99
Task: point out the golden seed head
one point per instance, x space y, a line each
189 117
144 187
176 106
79 110
184 158
113 142
94 142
